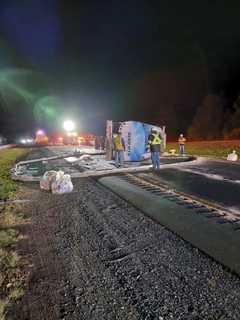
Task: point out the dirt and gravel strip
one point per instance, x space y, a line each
94 256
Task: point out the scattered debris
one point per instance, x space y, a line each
47 180
232 156
62 183
172 151
57 182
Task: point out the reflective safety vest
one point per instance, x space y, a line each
181 140
118 143
156 139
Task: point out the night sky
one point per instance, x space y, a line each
152 61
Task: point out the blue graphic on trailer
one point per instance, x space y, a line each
135 135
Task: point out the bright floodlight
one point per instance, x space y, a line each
40 132
69 125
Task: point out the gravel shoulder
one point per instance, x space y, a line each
94 256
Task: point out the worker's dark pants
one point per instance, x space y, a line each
155 159
181 148
119 158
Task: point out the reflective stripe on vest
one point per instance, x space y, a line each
156 139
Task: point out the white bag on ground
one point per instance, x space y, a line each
62 183
55 184
232 156
66 184
47 179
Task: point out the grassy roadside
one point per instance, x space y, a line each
219 149
10 274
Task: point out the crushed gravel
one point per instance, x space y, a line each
97 257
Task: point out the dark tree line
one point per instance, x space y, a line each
215 120
180 99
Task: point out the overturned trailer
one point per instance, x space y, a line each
135 135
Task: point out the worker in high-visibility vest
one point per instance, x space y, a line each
119 148
181 142
154 144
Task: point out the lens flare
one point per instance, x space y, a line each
46 108
15 85
26 89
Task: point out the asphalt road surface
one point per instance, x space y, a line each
213 180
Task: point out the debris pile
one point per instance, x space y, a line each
232 156
57 182
96 163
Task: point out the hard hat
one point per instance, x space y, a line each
155 129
